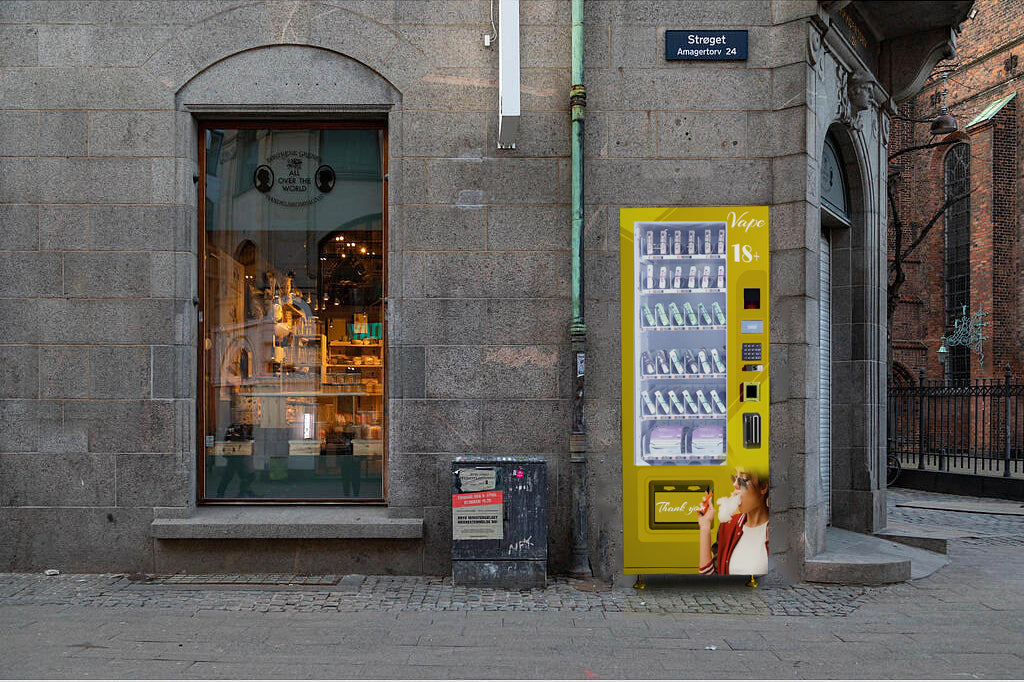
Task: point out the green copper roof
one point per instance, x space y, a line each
992 109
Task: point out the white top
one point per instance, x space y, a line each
750 556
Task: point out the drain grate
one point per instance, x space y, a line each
237 579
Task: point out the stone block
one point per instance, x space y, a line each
173 274
492 372
625 41
173 371
442 12
689 134
131 133
63 133
289 22
544 12
349 33
54 88
411 180
690 182
151 480
501 180
75 180
446 321
541 133
121 45
448 228
777 133
121 372
62 45
462 89
413 265
88 540
707 89
64 371
139 228
793 226
418 480
789 10
19 45
19 133
518 228
450 46
436 133
121 426
89 321
495 275
604 424
63 227
21 227
113 274
20 422
509 321
19 372
515 427
623 134
234 30
30 274
792 85
793 177
57 480
544 46
439 426
406 372
690 14
794 272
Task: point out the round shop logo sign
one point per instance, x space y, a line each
293 178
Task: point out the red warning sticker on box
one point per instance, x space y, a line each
476 499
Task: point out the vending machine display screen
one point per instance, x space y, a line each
680 343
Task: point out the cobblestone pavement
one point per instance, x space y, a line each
962 621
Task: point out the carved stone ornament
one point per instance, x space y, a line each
816 51
854 97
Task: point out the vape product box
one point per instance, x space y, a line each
677 243
646 364
650 276
707 242
648 403
689 402
648 316
677 280
661 402
717 359
692 281
708 439
721 241
664 242
663 363
721 276
691 247
650 242
677 317
675 402
702 313
662 277
674 356
703 401
706 279
690 317
690 361
702 355
717 401
719 315
659 310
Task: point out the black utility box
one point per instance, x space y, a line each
499 521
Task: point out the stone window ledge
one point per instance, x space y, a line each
255 522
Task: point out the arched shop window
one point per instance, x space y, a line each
291 345
958 254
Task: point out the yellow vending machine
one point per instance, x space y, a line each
695 389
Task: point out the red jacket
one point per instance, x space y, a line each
729 534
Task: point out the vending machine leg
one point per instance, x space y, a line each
639 584
752 583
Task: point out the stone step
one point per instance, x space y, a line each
865 559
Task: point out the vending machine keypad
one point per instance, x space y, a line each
751 351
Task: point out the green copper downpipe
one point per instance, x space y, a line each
580 561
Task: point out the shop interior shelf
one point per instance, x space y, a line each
682 417
685 256
648 292
683 376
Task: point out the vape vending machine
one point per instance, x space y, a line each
694 371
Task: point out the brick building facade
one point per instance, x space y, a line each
983 86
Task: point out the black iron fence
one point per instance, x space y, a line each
967 428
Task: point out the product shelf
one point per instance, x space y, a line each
684 256
649 292
682 417
686 328
683 376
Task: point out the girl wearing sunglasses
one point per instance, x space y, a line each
742 544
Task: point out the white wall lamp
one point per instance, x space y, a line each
508 73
